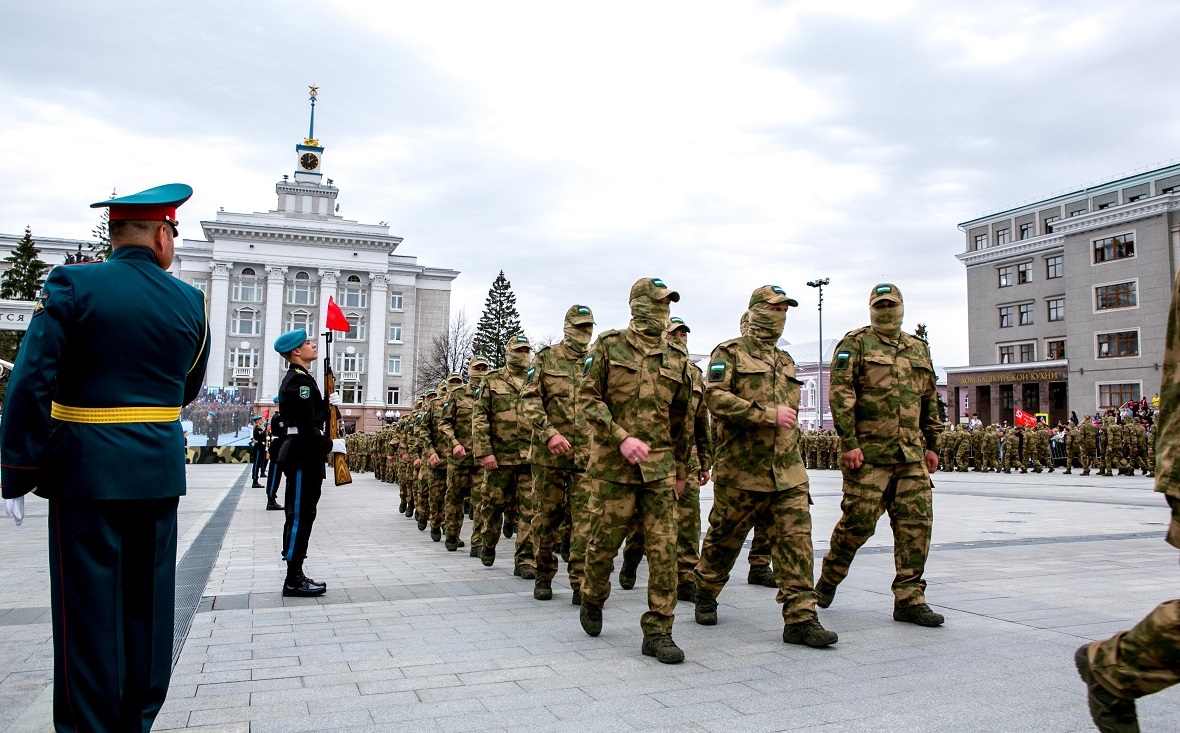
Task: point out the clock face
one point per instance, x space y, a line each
309 161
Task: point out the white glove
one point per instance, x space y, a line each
334 399
15 508
338 447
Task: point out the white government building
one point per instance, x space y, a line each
267 273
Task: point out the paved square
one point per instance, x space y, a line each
412 637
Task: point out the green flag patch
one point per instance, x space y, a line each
841 360
717 371
586 364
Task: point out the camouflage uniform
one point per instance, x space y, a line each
963 454
1146 659
990 448
1040 456
1016 442
1137 446
759 471
435 452
884 403
500 428
461 466
559 480
950 447
1088 440
636 391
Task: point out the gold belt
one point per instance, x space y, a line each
99 415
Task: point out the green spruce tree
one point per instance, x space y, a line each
499 322
26 272
102 232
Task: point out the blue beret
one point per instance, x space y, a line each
290 340
256 417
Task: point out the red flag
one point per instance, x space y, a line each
1020 417
336 319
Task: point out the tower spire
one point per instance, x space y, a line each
313 91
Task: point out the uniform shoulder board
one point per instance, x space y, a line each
528 376
717 371
841 360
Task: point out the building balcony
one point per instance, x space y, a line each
243 372
351 376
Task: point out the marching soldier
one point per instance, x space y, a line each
461 466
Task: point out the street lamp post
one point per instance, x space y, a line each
819 284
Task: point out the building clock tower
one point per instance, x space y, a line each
309 154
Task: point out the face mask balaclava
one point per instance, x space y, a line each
766 326
886 322
578 328
477 370
517 360
649 318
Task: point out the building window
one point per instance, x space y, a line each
1007 400
1003 236
1054 267
1131 199
1026 314
1028 352
354 362
1007 354
246 322
1056 309
300 291
395 333
1117 395
202 285
1024 273
247 287
980 241
352 393
299 319
393 364
1078 212
396 300
1048 222
1007 313
1026 230
1005 276
393 395
1056 349
243 358
1116 345
1109 249
356 327
1119 295
354 294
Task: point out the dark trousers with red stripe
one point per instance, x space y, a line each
112 568
302 496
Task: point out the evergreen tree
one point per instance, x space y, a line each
922 333
102 232
26 271
499 322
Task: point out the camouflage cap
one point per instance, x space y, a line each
477 361
518 342
653 288
885 291
771 295
745 319
455 377
675 323
579 315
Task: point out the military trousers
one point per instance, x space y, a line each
502 488
112 570
734 513
611 507
460 480
688 533
1145 659
302 496
274 478
902 490
555 489
436 488
760 545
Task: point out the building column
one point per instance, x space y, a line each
272 328
378 305
327 288
218 323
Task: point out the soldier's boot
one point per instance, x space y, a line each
1068 471
1085 472
1007 470
810 633
1051 469
1025 470
509 526
475 550
542 590
452 543
1111 714
591 618
576 600
527 572
274 506
1036 469
409 510
435 533
686 591
401 508
565 550
919 614
627 574
761 575
824 593
662 648
706 608
487 556
421 522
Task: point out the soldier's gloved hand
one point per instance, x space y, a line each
15 508
335 400
339 447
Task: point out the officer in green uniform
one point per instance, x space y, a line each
92 423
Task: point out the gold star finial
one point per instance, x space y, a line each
313 90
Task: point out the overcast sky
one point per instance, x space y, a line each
717 145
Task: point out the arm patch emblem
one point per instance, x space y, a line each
528 376
478 392
304 393
717 371
586 364
841 360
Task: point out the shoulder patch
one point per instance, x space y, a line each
444 407
528 376
587 363
304 393
478 392
717 371
841 361
39 303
